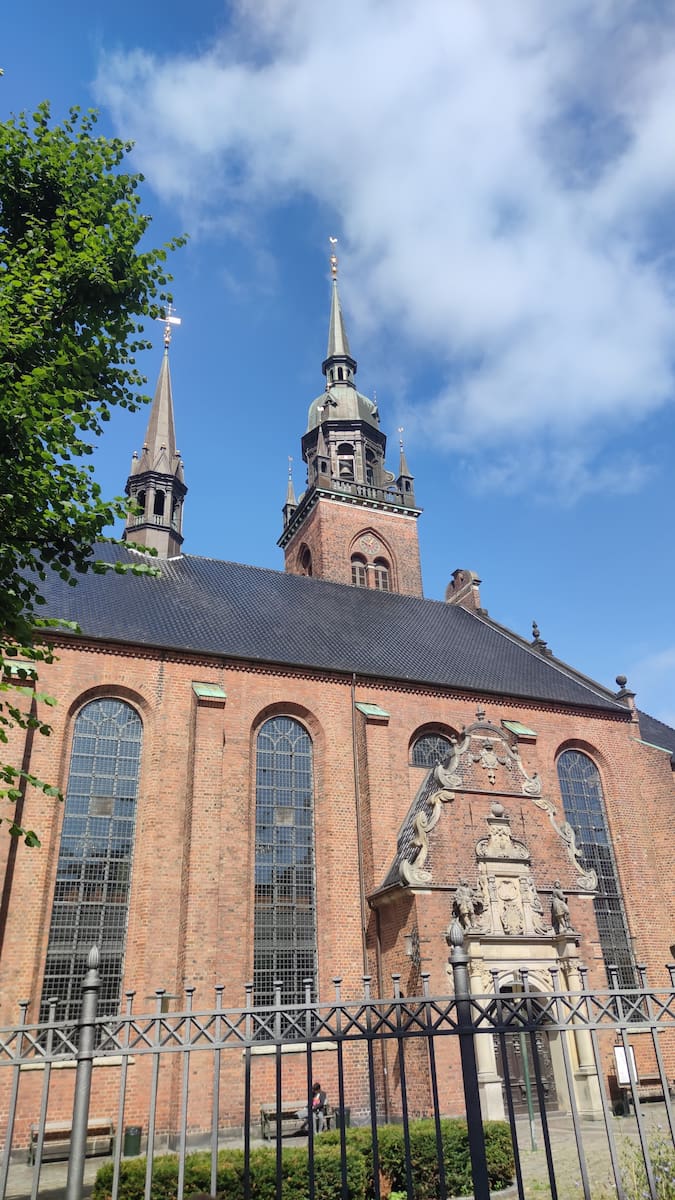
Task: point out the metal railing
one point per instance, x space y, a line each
197 1077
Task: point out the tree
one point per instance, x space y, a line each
74 284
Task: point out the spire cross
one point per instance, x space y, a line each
169 319
333 257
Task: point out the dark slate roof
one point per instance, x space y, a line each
657 734
223 608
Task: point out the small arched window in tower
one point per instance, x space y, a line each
345 452
158 508
429 749
341 373
306 561
381 575
140 500
359 573
371 465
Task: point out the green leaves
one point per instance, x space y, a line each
74 289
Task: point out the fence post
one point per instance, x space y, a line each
465 1029
91 986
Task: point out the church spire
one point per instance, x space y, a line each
338 365
156 483
355 523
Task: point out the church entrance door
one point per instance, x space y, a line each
519 1054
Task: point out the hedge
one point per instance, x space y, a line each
424 1158
230 1177
327 1171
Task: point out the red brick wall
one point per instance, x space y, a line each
192 883
332 532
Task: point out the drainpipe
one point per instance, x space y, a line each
18 818
380 992
359 842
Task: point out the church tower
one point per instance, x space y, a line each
357 522
156 483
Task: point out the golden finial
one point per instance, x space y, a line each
169 319
333 257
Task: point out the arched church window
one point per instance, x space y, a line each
285 899
345 453
371 465
306 560
93 873
359 571
429 749
140 500
158 508
381 575
341 373
584 807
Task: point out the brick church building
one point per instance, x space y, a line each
302 774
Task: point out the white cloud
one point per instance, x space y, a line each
498 170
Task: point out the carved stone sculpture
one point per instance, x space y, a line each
465 904
560 913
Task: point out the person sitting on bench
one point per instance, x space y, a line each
318 1107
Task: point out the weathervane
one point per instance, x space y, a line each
400 438
290 466
169 319
333 257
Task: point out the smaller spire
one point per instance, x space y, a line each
291 504
403 469
290 490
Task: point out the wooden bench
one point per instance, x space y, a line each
56 1144
269 1114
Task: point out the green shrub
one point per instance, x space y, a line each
230 1176
424 1158
662 1154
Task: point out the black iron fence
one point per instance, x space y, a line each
185 1078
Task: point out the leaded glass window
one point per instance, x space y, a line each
429 749
285 904
93 873
585 810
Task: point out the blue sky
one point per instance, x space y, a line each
501 180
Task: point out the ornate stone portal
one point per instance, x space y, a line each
506 930
507 925
481 756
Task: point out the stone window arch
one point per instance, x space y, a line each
93 873
285 887
584 806
158 506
